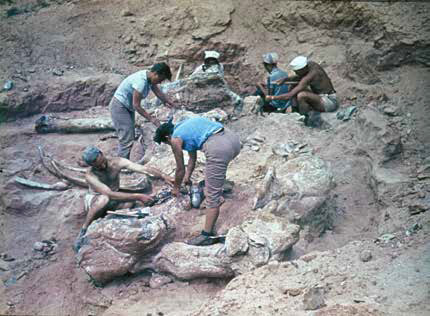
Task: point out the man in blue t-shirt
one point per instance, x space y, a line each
271 87
219 145
127 99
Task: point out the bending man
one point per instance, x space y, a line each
103 179
321 98
219 145
127 100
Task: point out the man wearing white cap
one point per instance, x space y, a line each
212 66
321 98
270 61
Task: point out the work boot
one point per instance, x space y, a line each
79 240
204 239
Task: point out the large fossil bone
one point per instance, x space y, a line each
59 186
51 124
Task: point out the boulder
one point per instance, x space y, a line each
254 243
114 244
190 262
198 94
301 186
375 137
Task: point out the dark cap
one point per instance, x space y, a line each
90 154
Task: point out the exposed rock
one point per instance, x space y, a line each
8 85
67 95
313 298
376 137
113 245
250 105
250 245
198 93
189 262
365 255
158 280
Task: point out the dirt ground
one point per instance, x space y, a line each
375 53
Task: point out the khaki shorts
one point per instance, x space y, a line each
329 102
91 197
219 149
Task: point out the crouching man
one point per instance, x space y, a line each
219 145
309 74
103 179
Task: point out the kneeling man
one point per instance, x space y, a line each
103 179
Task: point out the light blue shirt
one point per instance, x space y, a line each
195 131
277 74
137 81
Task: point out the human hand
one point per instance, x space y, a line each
280 81
175 191
144 198
156 122
187 181
170 180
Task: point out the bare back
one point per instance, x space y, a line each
320 83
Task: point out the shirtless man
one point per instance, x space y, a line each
321 98
103 179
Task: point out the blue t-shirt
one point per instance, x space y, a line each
277 74
195 131
137 81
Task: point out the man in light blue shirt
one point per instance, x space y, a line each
270 61
220 146
127 99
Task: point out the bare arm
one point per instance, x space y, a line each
154 172
102 188
300 87
137 97
176 144
262 88
162 96
191 166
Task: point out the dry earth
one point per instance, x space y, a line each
67 57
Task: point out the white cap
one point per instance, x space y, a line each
211 54
270 58
299 62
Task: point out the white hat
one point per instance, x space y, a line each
211 54
270 58
299 62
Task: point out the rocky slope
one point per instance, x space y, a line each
359 190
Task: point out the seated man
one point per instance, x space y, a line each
321 98
270 61
212 66
103 179
220 147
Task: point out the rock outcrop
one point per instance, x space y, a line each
114 244
253 244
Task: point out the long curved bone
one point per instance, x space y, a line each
59 186
57 169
